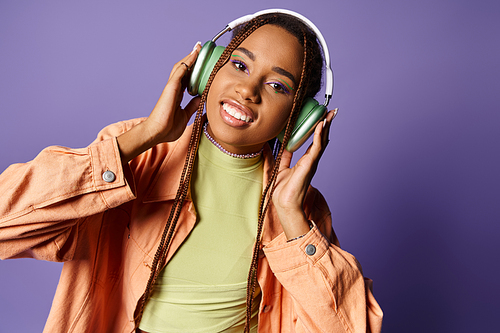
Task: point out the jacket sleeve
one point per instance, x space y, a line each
326 284
45 199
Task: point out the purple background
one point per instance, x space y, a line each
412 171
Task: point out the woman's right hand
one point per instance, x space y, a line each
168 120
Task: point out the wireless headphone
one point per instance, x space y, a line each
311 112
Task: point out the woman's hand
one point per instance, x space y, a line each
168 120
292 183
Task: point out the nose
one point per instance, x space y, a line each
248 89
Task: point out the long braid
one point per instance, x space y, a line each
163 247
167 235
269 190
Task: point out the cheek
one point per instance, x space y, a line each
279 120
284 113
220 84
213 95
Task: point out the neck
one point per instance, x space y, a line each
250 155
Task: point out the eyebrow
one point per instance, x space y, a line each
246 52
286 73
276 69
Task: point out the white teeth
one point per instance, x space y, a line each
235 113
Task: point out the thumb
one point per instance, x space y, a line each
192 106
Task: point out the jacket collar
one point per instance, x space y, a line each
165 184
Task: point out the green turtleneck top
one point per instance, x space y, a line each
203 287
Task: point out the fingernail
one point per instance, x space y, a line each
195 47
334 115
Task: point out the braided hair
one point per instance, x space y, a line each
309 85
314 64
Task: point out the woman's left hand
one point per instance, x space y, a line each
292 183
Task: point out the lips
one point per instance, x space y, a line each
237 111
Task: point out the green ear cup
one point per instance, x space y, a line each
207 58
194 79
209 67
310 115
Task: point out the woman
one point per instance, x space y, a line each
117 211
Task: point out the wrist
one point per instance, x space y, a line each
151 133
311 225
134 142
294 223
291 214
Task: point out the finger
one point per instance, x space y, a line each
178 75
326 127
286 160
190 59
309 161
314 145
314 151
186 63
318 143
325 133
321 137
192 106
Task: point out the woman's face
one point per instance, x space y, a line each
251 96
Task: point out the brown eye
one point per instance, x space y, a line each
278 87
239 65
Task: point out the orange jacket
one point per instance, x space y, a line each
58 207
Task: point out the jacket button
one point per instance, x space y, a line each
266 308
310 249
108 176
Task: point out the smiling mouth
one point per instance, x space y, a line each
235 113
